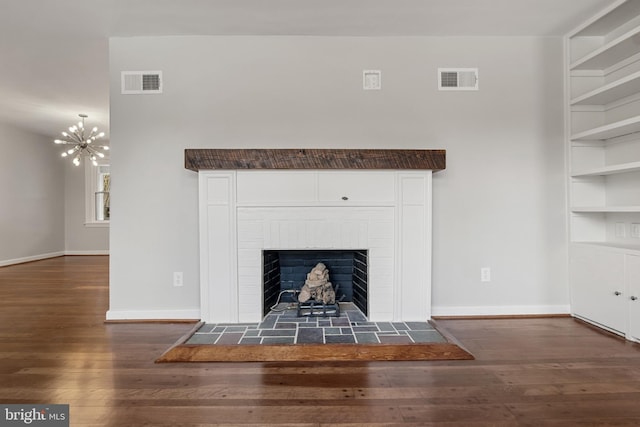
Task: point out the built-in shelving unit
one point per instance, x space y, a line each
603 149
611 209
609 170
604 125
610 131
610 53
610 92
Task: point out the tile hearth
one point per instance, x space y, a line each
284 327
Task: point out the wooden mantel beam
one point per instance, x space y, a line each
303 158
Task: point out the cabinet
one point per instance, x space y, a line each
606 288
603 173
316 187
356 187
633 290
599 286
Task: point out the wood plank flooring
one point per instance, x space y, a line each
56 348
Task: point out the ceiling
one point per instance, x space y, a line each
54 54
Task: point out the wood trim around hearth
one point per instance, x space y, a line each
196 159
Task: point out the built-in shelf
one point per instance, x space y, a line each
635 247
609 170
613 91
617 15
611 130
611 53
606 209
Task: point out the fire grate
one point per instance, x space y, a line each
318 309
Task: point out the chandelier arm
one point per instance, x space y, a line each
74 138
78 136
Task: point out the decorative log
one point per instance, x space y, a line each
205 159
317 286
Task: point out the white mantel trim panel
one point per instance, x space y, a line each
414 245
243 213
218 247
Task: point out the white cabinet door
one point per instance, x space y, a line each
598 286
295 188
359 187
632 277
265 187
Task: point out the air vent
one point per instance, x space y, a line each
136 82
371 79
457 78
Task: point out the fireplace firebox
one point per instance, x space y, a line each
286 270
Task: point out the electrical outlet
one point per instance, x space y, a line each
620 229
635 231
177 278
485 274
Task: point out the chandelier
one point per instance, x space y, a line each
81 140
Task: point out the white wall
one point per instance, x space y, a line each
31 197
499 203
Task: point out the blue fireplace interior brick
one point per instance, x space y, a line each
288 269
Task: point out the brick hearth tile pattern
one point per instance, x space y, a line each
283 326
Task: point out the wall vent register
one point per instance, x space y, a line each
138 82
458 79
371 79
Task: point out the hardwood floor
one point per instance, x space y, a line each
56 348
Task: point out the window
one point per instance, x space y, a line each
98 202
102 193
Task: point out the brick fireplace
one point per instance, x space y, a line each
253 202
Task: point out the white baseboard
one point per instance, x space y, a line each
4 263
153 314
507 310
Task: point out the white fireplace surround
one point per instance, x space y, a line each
243 212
